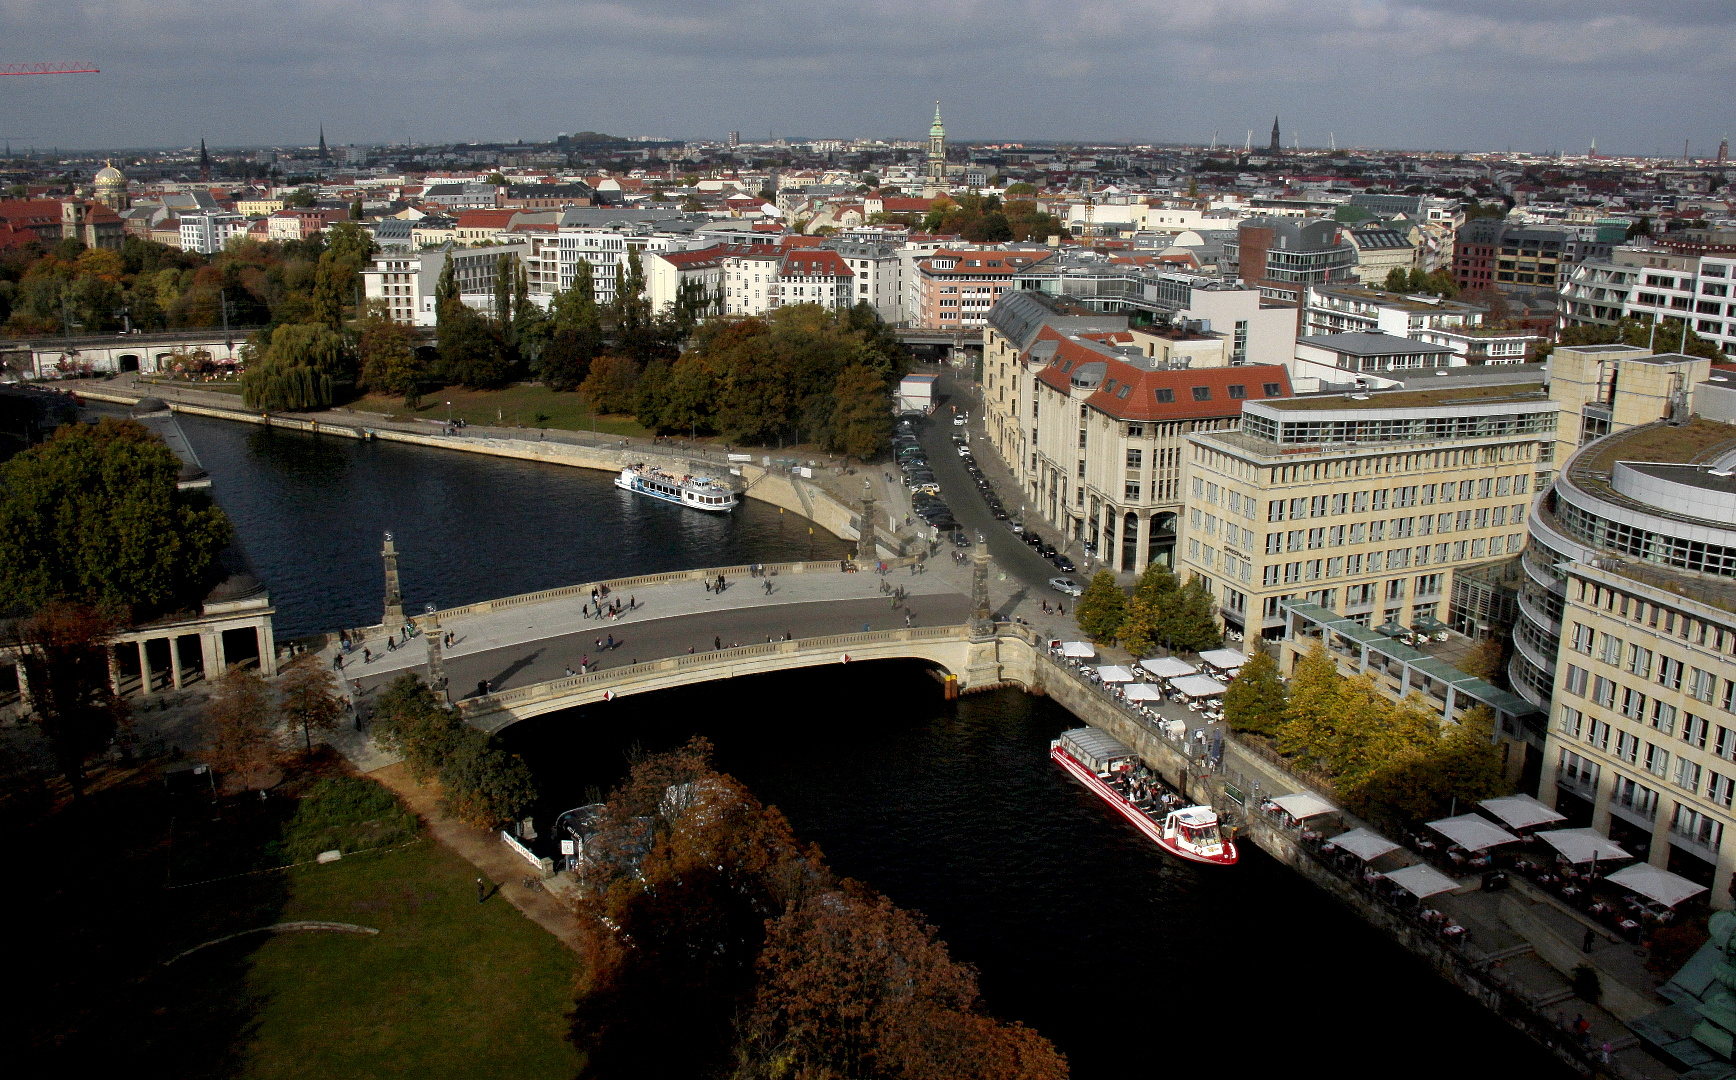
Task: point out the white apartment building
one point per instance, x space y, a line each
879 276
750 278
207 232
406 282
1686 281
1357 309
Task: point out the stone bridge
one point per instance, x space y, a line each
967 663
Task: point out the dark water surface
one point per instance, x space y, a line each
1134 963
311 511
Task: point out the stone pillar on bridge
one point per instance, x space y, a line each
982 617
394 613
866 550
436 657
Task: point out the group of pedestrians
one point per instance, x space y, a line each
612 609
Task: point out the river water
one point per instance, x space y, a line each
1133 962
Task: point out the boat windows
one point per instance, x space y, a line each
1199 835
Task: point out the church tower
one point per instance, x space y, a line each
204 163
1277 146
324 154
936 172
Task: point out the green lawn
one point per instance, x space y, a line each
517 405
448 988
215 386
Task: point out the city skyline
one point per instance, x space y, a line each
1477 76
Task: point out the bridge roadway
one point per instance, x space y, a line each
522 645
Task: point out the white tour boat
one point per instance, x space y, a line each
698 492
1105 765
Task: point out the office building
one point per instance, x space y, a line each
1364 504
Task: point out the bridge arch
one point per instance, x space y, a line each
1008 657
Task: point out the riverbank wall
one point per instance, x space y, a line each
1245 774
785 490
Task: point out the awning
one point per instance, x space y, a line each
1666 888
1391 628
1141 692
1365 845
1079 649
1421 880
1303 805
1583 845
1196 686
1227 659
1472 832
1428 624
1169 667
1112 673
1521 811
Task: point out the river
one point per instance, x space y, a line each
1132 962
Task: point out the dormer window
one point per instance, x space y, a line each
1165 396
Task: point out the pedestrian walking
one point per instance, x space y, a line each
1590 938
632 602
367 655
907 622
768 588
611 641
716 643
481 891
708 586
338 661
585 663
391 646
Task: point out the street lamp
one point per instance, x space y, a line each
448 417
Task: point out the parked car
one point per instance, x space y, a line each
1045 551
1066 585
961 539
1063 563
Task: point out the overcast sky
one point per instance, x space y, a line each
1638 75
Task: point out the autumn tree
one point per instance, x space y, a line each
295 366
63 650
1102 608
310 698
852 986
1148 612
240 730
1255 701
387 351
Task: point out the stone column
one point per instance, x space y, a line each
866 550
1659 856
175 662
211 649
437 660
394 608
982 620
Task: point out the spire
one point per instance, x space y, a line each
204 162
1277 145
323 153
936 128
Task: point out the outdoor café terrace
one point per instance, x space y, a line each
1401 668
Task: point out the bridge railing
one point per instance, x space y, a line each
567 592
487 703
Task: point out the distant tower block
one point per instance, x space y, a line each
1724 150
394 612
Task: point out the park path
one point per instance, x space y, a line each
503 868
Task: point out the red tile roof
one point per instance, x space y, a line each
485 219
815 262
1129 392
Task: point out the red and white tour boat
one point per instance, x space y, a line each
1106 765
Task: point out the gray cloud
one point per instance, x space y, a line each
1461 74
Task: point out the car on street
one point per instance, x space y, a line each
1066 585
961 539
1064 564
958 421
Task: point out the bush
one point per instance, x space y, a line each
1586 986
348 815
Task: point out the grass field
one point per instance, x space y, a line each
517 405
448 988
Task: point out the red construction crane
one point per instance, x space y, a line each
46 69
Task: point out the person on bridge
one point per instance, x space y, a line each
338 661
716 643
768 588
611 641
632 602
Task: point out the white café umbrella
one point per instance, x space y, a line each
1197 686
1583 845
1472 832
1078 649
1421 880
1114 673
1666 888
1303 805
1168 667
1364 844
1141 692
1521 811
1227 659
